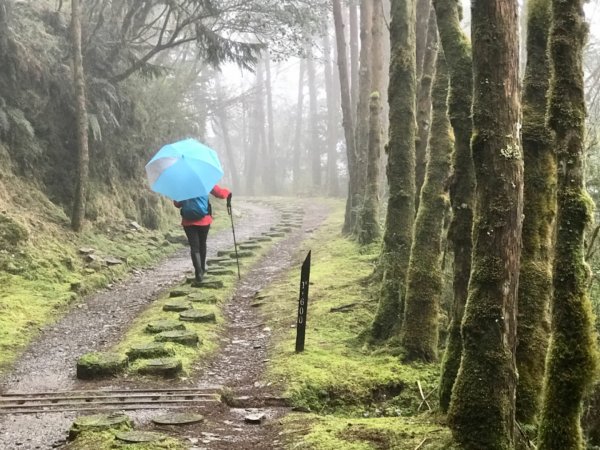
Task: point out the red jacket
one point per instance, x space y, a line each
218 192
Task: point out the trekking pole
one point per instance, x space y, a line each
237 258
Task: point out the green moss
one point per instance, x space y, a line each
332 433
419 335
457 50
397 238
572 356
107 441
535 281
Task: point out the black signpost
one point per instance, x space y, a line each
303 304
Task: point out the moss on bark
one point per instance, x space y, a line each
457 50
400 216
482 409
535 282
424 281
571 362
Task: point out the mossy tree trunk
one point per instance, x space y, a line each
397 238
332 119
83 156
482 409
271 153
362 111
257 127
354 55
424 104
571 362
369 229
313 108
298 141
535 283
457 50
421 33
347 121
419 336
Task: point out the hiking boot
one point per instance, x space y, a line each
198 271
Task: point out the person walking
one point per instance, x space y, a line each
196 218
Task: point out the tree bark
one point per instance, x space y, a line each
424 104
221 114
457 51
348 123
257 131
332 113
572 361
83 156
362 111
420 334
482 410
422 34
270 163
298 147
535 283
400 216
369 229
313 107
354 61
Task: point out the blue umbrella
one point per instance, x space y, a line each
184 169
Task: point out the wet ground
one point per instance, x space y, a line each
101 319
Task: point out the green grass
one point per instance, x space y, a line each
364 395
106 440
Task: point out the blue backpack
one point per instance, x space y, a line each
195 208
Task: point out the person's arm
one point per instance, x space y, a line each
220 192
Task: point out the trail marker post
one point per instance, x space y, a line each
303 304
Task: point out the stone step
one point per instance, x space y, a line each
183 337
149 350
196 315
165 367
100 365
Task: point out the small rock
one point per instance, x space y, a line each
112 261
255 419
135 225
86 250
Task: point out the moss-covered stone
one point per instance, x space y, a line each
275 234
203 298
249 247
261 239
220 272
195 315
242 254
178 293
140 437
100 365
149 350
164 367
216 261
209 284
183 337
100 422
223 253
158 326
178 419
176 305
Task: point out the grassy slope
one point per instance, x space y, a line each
41 270
360 398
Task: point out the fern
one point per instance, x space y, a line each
94 127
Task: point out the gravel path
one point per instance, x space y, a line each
102 318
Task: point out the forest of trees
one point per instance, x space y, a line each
477 183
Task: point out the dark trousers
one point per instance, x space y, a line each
196 236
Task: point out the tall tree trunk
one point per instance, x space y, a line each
571 364
332 109
354 62
422 34
223 120
362 111
270 162
482 410
424 104
83 156
313 107
298 142
369 229
420 332
257 131
400 217
457 52
348 123
535 283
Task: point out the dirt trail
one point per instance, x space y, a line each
49 364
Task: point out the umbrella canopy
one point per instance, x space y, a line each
184 169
